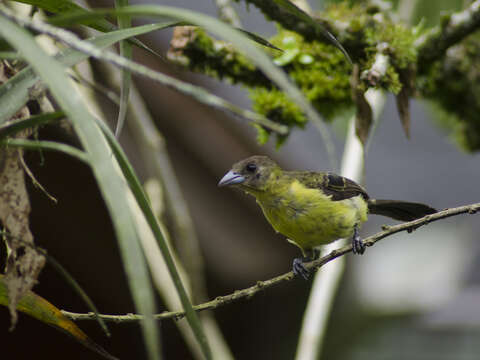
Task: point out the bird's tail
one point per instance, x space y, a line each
399 210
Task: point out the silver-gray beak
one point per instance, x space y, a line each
231 178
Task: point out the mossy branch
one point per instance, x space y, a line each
261 285
194 49
456 27
281 15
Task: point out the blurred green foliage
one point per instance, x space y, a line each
453 83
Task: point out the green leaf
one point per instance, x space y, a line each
40 309
9 55
36 120
47 145
111 184
301 15
259 39
15 93
67 6
125 51
287 57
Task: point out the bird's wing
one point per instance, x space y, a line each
337 186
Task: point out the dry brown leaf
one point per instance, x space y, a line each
23 263
407 78
364 116
404 110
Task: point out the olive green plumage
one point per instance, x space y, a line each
313 208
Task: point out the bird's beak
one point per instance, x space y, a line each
231 178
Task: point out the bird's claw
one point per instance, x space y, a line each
358 246
299 268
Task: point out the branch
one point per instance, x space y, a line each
438 40
284 17
227 13
193 48
375 74
261 285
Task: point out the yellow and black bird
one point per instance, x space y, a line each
313 208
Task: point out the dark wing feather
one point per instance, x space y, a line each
338 187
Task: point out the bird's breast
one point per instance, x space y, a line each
310 218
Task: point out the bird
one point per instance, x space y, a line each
313 208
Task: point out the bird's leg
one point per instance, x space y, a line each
298 263
358 246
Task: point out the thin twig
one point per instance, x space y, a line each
261 285
35 182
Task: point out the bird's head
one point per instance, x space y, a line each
252 175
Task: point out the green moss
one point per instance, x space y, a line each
218 59
319 70
348 12
453 83
400 50
400 40
274 104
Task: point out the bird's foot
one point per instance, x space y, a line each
299 268
358 246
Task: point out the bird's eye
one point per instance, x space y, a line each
251 167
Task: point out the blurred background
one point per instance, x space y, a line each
412 296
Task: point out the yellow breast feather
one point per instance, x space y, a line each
310 218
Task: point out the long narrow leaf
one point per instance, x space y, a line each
15 93
112 186
301 15
36 120
47 145
9 55
144 204
259 39
67 6
124 21
42 310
